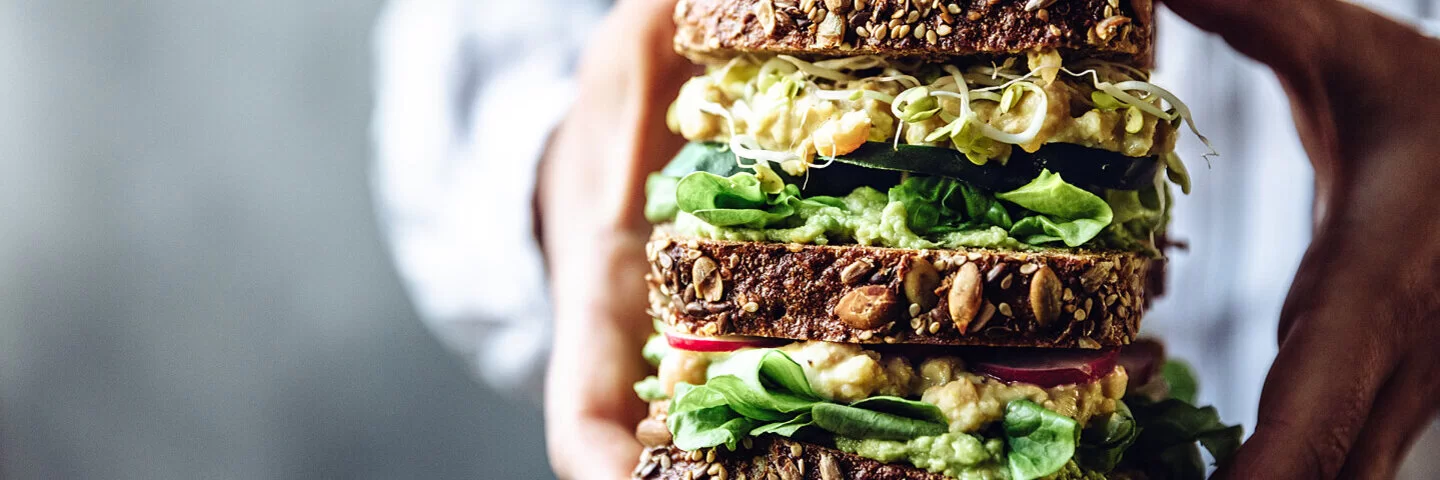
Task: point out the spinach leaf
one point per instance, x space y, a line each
701 418
764 391
759 404
1103 444
1181 379
709 157
709 427
1041 441
904 408
660 204
787 428
1067 213
1169 432
763 369
853 422
736 201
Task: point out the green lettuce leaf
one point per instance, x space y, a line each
1181 379
1067 213
660 206
650 389
936 205
1041 441
1169 431
860 423
655 349
701 418
764 391
1103 444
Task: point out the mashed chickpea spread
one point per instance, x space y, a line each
803 112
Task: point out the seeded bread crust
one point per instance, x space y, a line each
873 295
1122 30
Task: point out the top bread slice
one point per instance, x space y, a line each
874 295
1120 30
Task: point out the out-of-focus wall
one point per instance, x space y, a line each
191 280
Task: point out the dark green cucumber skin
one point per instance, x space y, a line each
882 165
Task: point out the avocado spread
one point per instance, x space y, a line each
958 455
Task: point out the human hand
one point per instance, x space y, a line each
1358 369
589 201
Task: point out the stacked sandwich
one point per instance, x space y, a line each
915 239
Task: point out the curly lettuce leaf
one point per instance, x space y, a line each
1067 213
1041 441
936 205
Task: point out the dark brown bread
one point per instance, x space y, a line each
1118 29
771 457
859 294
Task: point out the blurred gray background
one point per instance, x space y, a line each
191 280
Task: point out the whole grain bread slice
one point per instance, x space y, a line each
872 295
771 457
1118 29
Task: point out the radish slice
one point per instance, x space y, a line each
719 344
1047 368
1142 360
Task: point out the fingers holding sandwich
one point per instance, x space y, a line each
588 199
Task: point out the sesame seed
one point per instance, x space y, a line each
973 16
912 17
943 30
898 13
1028 268
914 309
710 456
1054 30
1080 315
866 335
920 31
1005 310
880 31
862 32
902 31
1043 15
794 450
953 9
935 327
750 307
1009 279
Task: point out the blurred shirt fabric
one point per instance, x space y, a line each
469 90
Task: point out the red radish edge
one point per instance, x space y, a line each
718 344
1048 369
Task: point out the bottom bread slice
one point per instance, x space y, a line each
775 458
